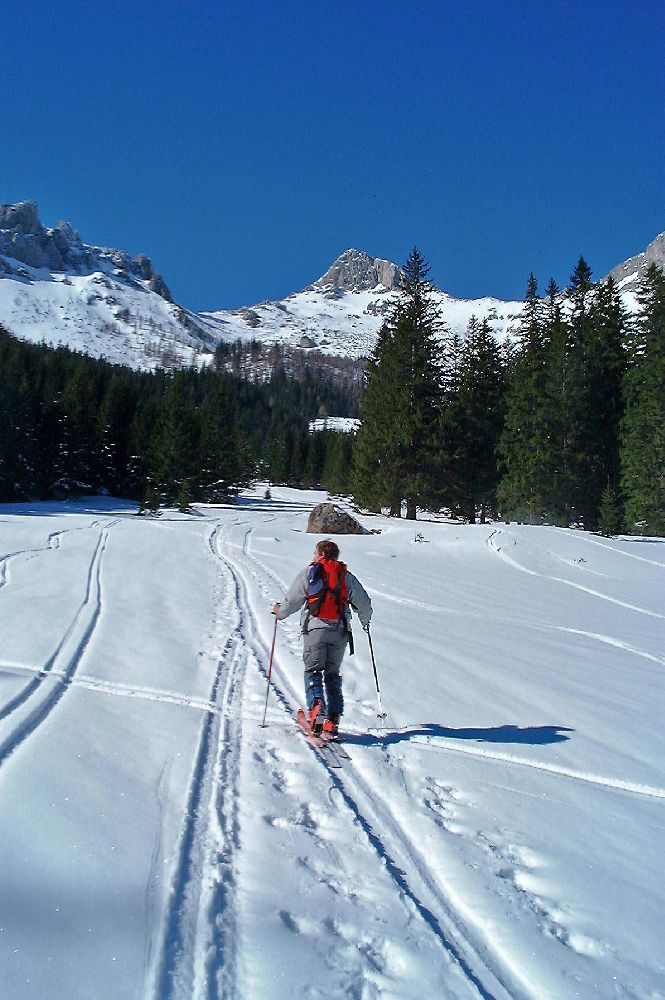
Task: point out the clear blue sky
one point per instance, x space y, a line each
243 145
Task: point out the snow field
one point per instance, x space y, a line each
501 837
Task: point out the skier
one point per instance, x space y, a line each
324 593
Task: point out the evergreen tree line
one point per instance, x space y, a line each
566 425
70 424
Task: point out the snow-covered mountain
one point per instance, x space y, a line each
57 289
341 312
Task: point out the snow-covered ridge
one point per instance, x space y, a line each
341 425
57 289
341 320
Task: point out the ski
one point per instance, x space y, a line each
338 748
322 746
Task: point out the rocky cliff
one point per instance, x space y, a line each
60 250
629 274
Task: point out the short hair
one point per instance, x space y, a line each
328 549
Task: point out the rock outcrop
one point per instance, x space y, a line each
629 274
329 519
356 271
24 239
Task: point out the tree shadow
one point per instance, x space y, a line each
526 735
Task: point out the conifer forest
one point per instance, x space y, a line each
562 424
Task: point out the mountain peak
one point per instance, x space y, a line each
24 239
21 218
629 274
355 271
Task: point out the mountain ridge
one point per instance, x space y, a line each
103 302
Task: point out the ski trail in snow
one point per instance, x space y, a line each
568 583
65 660
486 617
489 972
53 541
114 688
199 936
620 552
608 640
618 784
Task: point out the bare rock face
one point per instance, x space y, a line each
23 238
22 218
328 519
356 271
629 274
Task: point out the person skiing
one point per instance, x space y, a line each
324 593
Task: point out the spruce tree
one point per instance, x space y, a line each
379 445
643 423
609 514
525 445
396 444
592 375
173 458
481 402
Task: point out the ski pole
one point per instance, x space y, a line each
272 650
381 713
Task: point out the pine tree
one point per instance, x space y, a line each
609 513
481 400
396 444
379 444
643 423
526 440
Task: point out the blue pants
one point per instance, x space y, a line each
323 653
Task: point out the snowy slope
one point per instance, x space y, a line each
347 324
501 837
102 314
57 289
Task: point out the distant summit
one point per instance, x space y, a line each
629 274
356 271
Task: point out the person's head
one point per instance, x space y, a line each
326 549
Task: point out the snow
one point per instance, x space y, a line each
501 835
342 425
347 323
101 314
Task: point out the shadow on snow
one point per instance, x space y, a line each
528 735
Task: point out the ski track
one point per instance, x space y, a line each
395 849
522 623
52 543
617 784
568 583
176 959
621 552
200 937
64 661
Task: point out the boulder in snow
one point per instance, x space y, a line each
329 519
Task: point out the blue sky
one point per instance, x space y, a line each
244 145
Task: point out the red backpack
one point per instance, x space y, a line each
327 595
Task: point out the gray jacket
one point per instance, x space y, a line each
296 600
